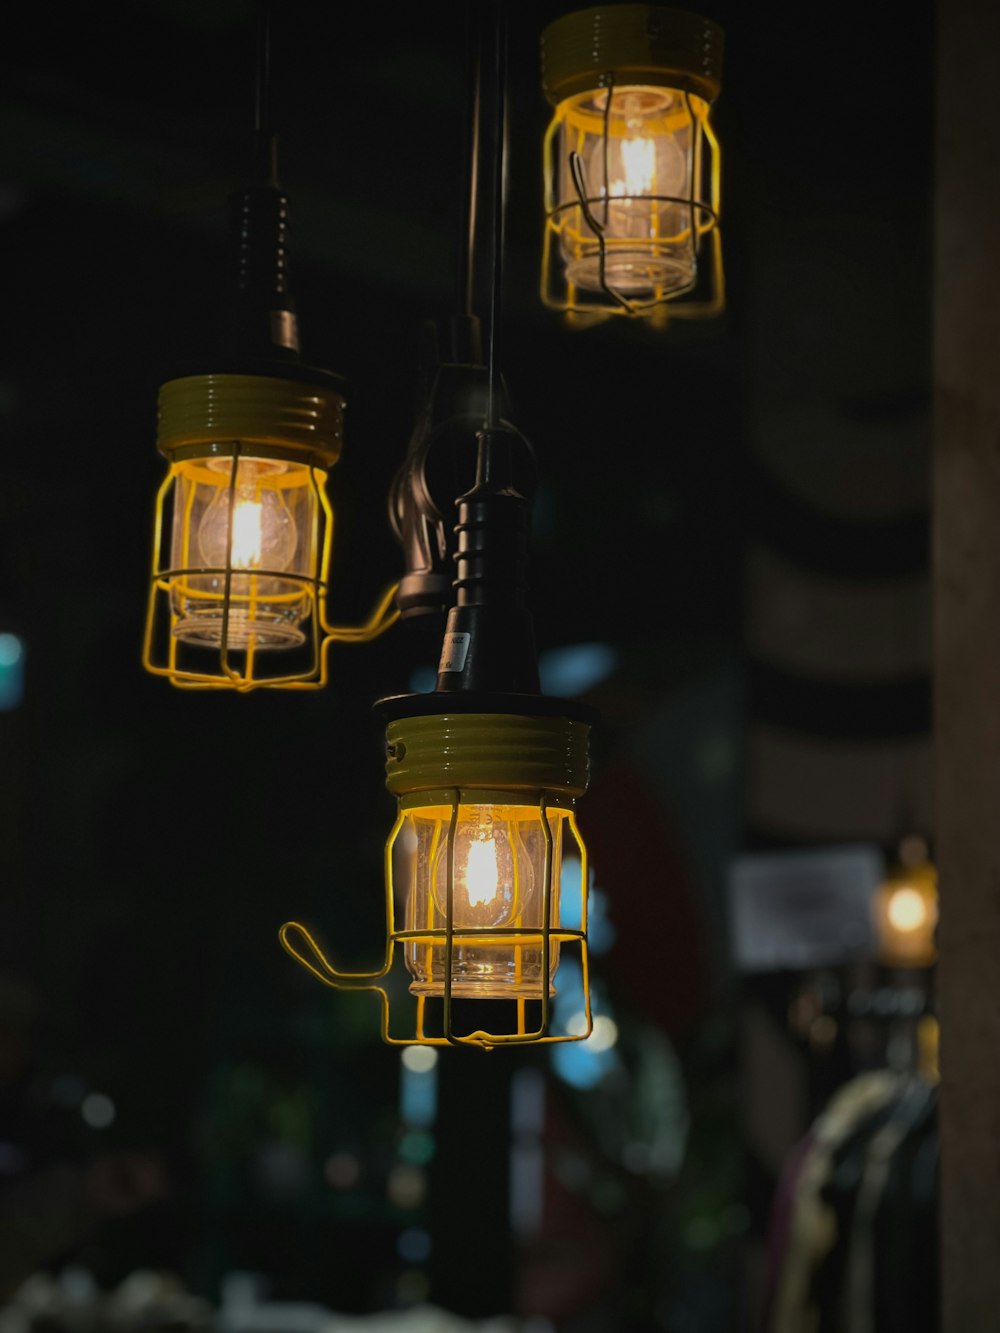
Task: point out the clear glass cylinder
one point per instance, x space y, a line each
645 184
499 880
259 518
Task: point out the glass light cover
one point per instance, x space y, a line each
645 184
263 524
499 881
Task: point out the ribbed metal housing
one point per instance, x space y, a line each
502 752
651 45
281 418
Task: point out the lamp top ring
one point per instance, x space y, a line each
294 417
650 45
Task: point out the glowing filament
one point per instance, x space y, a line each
638 167
248 534
482 875
263 533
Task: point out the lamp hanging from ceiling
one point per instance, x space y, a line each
487 773
632 164
244 528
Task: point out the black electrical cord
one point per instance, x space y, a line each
265 324
262 98
465 286
450 451
497 239
265 140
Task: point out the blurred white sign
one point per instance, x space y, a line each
804 908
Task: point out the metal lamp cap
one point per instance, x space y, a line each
201 415
651 45
502 752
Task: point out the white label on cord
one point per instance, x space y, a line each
285 329
454 651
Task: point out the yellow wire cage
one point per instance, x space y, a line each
243 536
475 890
632 165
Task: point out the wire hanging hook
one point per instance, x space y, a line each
578 172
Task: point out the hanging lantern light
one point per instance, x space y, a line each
243 528
475 889
486 772
243 532
632 163
480 859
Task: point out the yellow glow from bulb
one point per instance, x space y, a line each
482 874
248 534
907 910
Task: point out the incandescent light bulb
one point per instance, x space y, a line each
631 161
488 885
646 165
263 530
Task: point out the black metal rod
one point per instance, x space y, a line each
262 110
265 142
497 236
466 283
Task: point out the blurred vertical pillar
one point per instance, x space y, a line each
471 1267
967 652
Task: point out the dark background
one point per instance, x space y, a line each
698 487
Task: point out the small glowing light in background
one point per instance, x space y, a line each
583 1064
423 679
415 1245
406 1186
604 1035
11 671
577 668
419 1059
577 1024
418 1086
98 1110
342 1171
11 650
907 910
